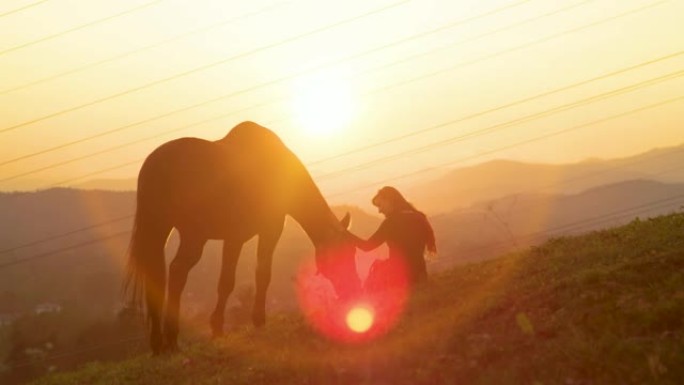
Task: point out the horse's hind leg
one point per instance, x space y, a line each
189 253
231 253
265 248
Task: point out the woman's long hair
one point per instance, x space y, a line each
401 204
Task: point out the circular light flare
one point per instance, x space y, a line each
330 316
360 319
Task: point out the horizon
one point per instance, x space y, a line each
36 184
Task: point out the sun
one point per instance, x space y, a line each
323 104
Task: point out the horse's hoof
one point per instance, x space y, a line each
173 349
170 347
216 326
156 346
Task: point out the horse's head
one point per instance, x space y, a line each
336 260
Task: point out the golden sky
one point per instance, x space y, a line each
334 76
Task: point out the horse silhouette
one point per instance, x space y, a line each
230 189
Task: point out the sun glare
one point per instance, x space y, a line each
360 319
323 104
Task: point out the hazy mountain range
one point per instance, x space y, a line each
496 179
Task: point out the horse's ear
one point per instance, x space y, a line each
346 221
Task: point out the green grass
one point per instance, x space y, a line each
603 308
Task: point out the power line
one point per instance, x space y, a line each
524 46
500 126
665 202
555 184
100 152
204 29
80 27
507 147
356 150
590 222
23 8
591 174
579 225
62 235
57 251
441 142
621 165
206 66
63 249
269 102
634 11
394 139
249 89
101 171
507 105
222 23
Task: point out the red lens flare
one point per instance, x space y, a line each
354 320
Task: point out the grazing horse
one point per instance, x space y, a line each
230 189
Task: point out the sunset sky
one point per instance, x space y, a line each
331 77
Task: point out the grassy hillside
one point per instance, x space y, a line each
604 308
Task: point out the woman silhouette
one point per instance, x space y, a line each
406 231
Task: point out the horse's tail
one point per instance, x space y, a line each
134 278
146 269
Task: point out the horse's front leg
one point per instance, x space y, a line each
231 254
189 253
267 242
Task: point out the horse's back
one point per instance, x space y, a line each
182 161
218 184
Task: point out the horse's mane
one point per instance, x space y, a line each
256 140
260 139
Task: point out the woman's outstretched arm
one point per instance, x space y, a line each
377 239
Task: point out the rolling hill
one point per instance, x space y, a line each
487 229
601 308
